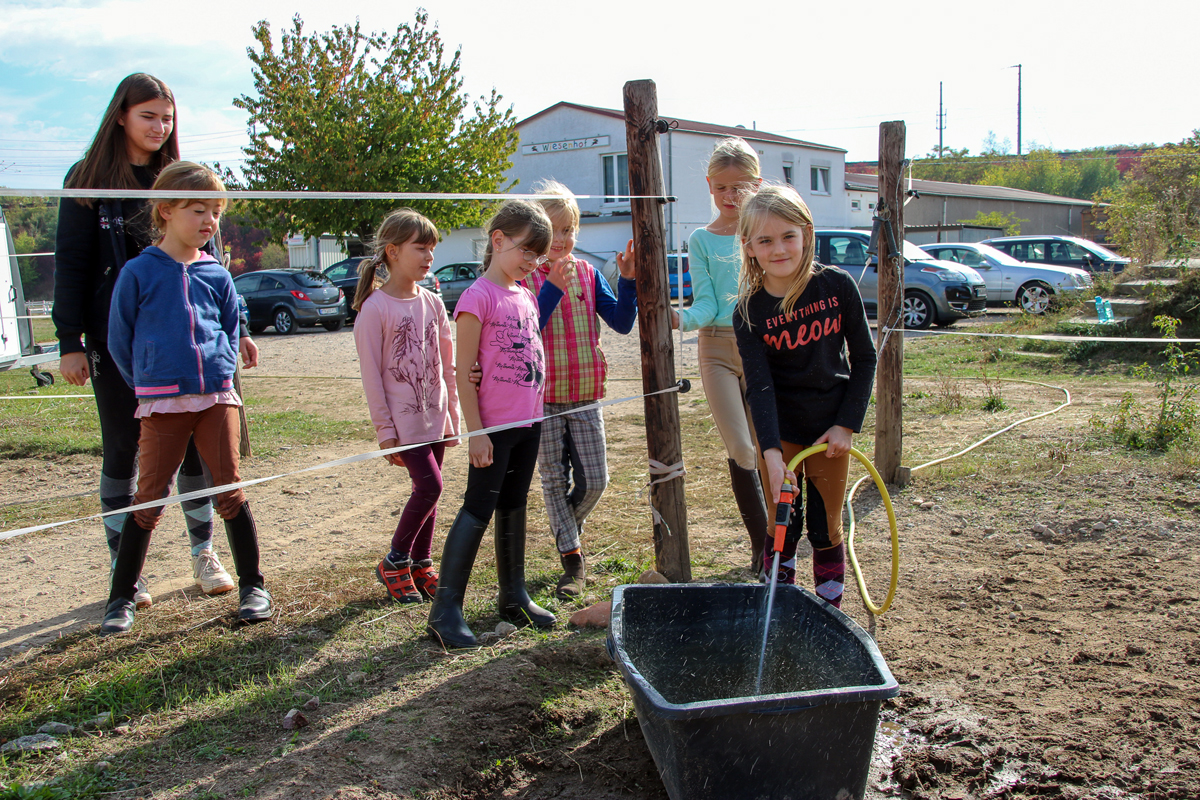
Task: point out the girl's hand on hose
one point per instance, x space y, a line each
839 439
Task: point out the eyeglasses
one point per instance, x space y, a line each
530 256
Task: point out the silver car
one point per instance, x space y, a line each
935 292
1031 287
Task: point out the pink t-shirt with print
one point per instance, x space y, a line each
510 351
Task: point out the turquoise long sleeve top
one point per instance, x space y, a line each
714 262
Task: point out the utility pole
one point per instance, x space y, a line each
663 440
889 372
941 126
1017 67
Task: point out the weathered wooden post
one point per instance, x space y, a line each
889 374
663 441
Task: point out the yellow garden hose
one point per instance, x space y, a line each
887 502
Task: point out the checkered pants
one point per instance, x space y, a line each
571 452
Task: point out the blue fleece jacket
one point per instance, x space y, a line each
173 328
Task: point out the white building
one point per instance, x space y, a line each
584 148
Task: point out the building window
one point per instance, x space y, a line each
616 178
820 180
855 205
787 174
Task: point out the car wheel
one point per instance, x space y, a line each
917 310
334 325
285 323
1035 297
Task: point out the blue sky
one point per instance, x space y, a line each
1094 74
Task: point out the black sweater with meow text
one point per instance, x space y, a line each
810 369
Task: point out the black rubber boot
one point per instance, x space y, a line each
118 617
446 623
514 602
243 543
131 556
748 492
573 582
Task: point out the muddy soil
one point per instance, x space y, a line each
1044 636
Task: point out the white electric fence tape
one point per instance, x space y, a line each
1050 337
229 487
664 474
243 194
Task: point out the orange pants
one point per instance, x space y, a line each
161 447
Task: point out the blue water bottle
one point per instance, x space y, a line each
1103 310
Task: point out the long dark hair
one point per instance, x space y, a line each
106 163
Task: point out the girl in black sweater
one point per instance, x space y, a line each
136 139
810 366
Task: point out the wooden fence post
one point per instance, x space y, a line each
672 556
889 374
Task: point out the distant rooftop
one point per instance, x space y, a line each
870 183
692 126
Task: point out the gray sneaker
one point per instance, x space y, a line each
142 598
210 576
254 605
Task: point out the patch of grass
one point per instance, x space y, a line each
272 430
50 427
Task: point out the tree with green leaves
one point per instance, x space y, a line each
1080 175
1155 211
352 111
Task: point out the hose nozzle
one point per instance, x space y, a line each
783 514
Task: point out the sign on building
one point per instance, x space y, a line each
566 144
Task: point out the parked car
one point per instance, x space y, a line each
673 277
290 299
1032 287
935 292
344 275
1063 251
454 280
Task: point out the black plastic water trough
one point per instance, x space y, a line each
689 653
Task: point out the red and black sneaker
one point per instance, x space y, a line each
398 579
425 578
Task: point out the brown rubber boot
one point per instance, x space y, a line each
752 506
573 582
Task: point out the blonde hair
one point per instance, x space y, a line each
562 202
734 152
518 217
784 203
399 227
183 176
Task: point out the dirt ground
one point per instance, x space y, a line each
1044 636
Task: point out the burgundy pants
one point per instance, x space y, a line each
414 532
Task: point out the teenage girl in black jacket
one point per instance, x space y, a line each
136 139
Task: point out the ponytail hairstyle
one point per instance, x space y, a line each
784 203
520 218
399 227
106 163
561 201
182 176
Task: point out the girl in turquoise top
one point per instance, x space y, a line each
715 258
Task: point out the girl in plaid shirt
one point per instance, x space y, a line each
572 295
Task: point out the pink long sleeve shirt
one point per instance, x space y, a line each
406 357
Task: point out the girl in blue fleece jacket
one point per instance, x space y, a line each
173 333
